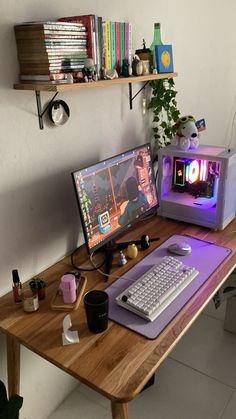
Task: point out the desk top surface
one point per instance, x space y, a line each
118 362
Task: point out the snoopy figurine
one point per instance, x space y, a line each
187 135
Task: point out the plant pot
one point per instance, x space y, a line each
38 286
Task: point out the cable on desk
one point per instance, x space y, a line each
84 269
97 268
109 275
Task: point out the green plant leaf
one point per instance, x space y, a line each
165 111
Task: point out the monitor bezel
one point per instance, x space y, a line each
126 227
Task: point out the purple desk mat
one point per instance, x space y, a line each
205 257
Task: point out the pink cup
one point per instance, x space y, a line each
68 288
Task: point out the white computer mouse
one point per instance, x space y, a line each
180 248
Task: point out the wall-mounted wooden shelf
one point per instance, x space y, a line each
59 88
47 87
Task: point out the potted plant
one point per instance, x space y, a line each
165 112
38 285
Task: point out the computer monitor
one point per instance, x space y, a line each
114 194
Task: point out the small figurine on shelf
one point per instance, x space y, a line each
125 71
145 56
70 78
89 71
110 74
122 259
137 66
144 53
79 77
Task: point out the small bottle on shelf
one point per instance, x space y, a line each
16 287
156 41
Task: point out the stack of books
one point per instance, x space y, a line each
47 51
109 43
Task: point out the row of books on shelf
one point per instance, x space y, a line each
47 50
109 42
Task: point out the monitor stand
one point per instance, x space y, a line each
109 250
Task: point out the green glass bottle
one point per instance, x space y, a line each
156 41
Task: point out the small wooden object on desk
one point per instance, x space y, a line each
57 302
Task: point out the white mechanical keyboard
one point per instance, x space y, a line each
150 294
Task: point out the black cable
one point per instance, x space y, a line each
150 215
83 269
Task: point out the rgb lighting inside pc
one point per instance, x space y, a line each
191 181
114 194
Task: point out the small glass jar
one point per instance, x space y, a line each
30 301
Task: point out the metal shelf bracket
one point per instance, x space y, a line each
39 107
131 97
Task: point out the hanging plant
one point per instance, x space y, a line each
165 113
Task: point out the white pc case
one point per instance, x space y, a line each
198 186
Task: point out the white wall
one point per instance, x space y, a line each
38 213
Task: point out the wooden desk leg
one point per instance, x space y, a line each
13 366
119 410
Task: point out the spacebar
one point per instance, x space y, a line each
163 297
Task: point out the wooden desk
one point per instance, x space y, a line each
117 363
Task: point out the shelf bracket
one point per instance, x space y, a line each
131 97
39 107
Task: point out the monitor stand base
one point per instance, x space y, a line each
109 250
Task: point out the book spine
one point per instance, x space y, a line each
44 48
117 24
77 27
113 45
108 46
48 44
100 45
128 41
98 55
104 63
62 54
94 42
51 70
42 77
41 37
122 42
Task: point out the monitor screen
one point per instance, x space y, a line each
114 194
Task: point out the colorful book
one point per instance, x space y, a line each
122 42
128 41
42 34
118 64
108 46
55 26
104 44
53 41
164 58
113 44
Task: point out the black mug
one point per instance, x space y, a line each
96 307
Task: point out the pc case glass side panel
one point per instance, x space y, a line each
189 188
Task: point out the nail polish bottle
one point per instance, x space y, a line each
16 287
